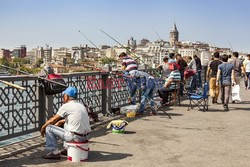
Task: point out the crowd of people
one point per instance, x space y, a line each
222 73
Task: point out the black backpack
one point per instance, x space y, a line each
51 88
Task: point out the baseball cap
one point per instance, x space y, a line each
71 92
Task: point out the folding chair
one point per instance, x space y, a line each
175 93
200 101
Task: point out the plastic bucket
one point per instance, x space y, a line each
78 152
116 129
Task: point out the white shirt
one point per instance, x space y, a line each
247 65
76 117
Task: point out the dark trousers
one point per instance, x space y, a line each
164 94
182 83
199 83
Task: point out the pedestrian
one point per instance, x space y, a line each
238 68
128 66
212 72
226 78
198 70
170 85
192 70
246 66
147 85
183 66
74 116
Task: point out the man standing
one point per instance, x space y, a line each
76 127
226 77
147 85
192 66
238 68
247 71
183 65
198 70
213 69
128 66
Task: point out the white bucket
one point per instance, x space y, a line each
78 152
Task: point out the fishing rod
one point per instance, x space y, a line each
136 87
39 77
13 85
230 45
121 45
135 56
101 70
88 40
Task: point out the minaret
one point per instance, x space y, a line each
174 35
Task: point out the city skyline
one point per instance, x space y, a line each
56 23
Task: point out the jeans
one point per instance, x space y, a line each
54 132
193 83
132 87
148 93
199 83
247 82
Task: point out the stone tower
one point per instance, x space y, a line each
174 35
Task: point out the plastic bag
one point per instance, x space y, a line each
129 108
236 93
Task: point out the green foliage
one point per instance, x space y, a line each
4 61
106 60
21 60
39 62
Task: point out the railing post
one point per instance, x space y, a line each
41 106
106 92
49 106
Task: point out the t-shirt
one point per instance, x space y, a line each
214 67
226 73
165 70
176 76
76 117
237 66
247 65
129 63
192 65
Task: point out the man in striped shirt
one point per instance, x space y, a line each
129 66
170 85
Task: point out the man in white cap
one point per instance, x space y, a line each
76 120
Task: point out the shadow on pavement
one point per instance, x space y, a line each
95 156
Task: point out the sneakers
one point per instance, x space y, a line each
52 156
225 107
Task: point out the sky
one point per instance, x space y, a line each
57 22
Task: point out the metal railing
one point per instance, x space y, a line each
24 112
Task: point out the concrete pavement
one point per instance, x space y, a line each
192 138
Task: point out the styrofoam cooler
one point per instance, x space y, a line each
78 152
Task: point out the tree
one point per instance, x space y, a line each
107 60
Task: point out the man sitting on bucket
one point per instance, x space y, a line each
76 127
